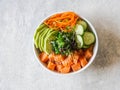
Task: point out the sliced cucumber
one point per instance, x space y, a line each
79 29
88 38
83 23
79 41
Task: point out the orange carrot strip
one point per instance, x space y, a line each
62 20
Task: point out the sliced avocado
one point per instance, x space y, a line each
39 39
38 29
37 33
43 38
47 34
36 40
48 46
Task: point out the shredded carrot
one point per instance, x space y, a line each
62 20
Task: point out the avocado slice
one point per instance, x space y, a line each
39 39
46 31
37 33
47 45
38 29
43 39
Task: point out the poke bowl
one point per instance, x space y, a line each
65 43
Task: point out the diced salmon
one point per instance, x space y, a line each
68 61
83 61
59 67
75 57
51 57
88 54
51 65
43 57
59 58
65 69
76 67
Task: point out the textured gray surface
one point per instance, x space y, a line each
19 70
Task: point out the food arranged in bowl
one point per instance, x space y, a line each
64 42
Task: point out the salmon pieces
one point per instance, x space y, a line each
65 64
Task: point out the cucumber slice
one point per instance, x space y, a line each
79 29
83 23
79 41
88 38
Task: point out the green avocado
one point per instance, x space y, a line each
38 29
43 36
39 38
47 42
37 33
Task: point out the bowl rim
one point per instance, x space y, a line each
91 59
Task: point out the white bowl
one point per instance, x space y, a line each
95 49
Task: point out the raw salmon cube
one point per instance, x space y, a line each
75 57
43 57
83 61
65 69
68 61
88 54
59 58
76 67
59 67
51 57
51 65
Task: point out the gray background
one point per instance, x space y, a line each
19 69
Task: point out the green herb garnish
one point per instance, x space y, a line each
64 43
